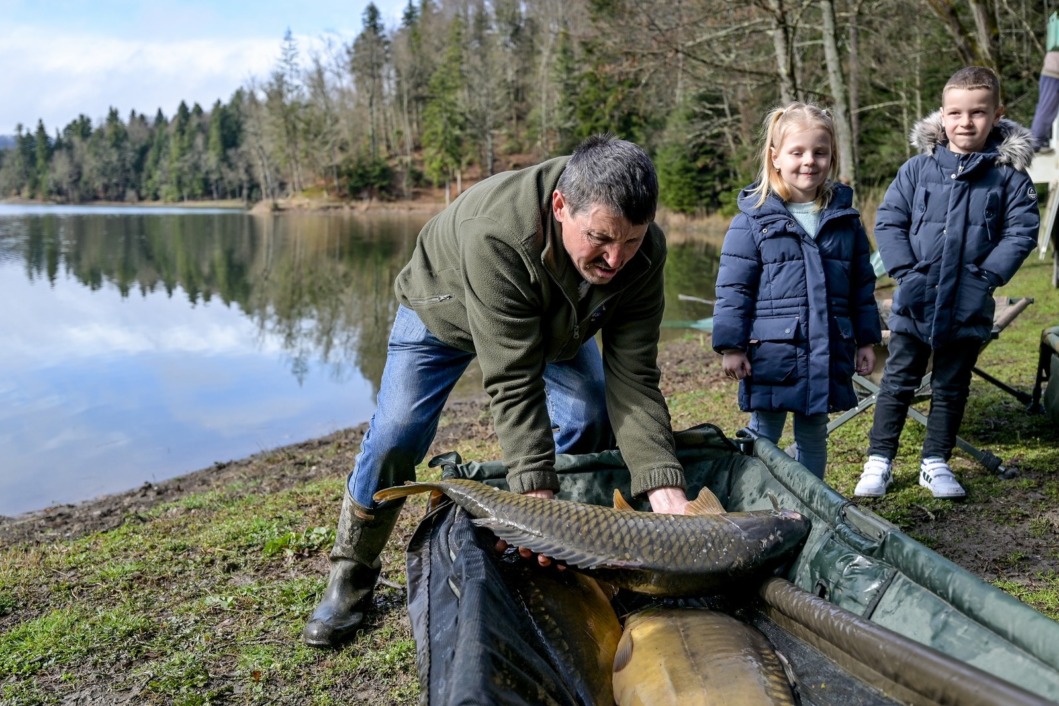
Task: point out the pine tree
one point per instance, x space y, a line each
444 119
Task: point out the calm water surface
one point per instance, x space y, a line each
142 344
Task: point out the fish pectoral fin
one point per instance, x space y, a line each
620 503
402 491
623 655
788 670
706 504
775 501
542 544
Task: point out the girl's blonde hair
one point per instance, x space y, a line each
778 124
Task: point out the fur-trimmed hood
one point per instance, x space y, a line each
1013 144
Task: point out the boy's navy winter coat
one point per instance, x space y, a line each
953 227
799 307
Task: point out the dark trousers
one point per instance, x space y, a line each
1047 108
949 386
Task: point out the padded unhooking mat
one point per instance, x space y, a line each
481 638
475 641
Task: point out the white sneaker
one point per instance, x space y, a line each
935 475
875 479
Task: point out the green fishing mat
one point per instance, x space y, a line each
863 614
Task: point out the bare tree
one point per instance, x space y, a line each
840 100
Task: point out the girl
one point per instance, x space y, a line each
796 313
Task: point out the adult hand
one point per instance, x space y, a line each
736 365
865 360
524 552
669 500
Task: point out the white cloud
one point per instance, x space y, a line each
61 75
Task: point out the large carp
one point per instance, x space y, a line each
646 552
677 657
574 621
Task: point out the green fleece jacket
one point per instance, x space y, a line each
490 275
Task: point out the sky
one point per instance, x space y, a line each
62 58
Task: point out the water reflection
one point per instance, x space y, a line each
140 344
138 347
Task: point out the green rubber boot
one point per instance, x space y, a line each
355 567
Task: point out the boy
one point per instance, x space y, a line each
956 223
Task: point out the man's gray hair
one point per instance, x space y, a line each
612 173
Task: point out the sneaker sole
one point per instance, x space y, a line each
943 496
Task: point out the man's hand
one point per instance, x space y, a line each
865 360
736 365
669 500
501 545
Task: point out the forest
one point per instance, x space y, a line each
464 88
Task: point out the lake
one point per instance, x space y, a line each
140 344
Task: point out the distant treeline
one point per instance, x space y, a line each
465 88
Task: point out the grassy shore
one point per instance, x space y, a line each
195 591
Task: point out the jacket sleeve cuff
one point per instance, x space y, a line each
994 279
664 477
533 480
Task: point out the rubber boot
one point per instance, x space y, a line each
355 567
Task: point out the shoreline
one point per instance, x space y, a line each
150 493
421 204
63 521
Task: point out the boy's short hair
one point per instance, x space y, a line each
971 78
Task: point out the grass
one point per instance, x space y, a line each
201 600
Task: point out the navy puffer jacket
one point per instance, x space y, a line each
953 227
798 307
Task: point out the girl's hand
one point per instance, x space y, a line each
865 360
736 366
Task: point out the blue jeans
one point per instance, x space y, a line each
420 373
810 436
950 383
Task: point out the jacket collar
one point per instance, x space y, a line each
1009 144
775 209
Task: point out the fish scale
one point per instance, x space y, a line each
653 553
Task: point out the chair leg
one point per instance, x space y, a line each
1043 357
1017 394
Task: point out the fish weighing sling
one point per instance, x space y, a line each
646 552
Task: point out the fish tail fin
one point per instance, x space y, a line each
706 504
620 503
401 491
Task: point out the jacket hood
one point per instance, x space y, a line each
1013 144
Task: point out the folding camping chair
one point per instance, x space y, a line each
1047 371
1007 310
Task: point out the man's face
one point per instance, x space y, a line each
968 115
598 240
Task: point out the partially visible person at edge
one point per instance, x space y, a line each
522 271
955 224
1047 90
796 315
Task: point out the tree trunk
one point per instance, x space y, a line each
781 43
840 107
853 80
